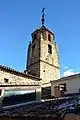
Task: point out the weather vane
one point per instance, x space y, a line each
43 17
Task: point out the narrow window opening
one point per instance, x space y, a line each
49 37
42 34
6 80
33 49
50 49
35 36
63 87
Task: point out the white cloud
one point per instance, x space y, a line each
64 67
70 72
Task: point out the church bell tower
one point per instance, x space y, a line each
42 56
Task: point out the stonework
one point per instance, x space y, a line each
14 80
42 65
41 62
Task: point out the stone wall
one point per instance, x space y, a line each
41 63
14 78
49 63
16 82
33 66
34 69
48 72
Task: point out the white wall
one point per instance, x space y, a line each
72 85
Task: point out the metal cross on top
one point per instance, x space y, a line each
43 17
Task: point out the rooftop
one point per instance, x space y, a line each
67 77
22 74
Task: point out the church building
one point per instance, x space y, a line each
42 73
42 66
43 58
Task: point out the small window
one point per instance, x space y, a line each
42 33
33 49
63 86
50 49
6 80
35 36
49 37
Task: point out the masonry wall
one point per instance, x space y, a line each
53 58
48 72
41 62
34 69
33 65
49 63
18 82
14 78
33 52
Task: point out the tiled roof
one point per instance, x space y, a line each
43 28
67 78
22 74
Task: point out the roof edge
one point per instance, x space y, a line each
66 78
12 71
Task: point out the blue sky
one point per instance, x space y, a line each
19 18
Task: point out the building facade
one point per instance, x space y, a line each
15 81
43 59
42 65
42 72
69 85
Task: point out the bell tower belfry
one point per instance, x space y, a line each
42 57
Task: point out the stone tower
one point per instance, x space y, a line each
42 57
